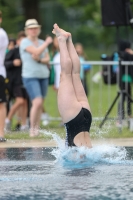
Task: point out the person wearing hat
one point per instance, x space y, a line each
3 46
35 73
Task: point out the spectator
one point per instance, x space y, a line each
11 45
3 46
35 72
84 69
15 87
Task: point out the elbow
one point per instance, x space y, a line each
35 52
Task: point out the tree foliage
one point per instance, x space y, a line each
90 23
81 17
87 18
12 19
89 8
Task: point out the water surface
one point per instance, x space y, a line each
102 173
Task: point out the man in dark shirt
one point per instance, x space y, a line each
15 87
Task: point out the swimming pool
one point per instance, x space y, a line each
102 173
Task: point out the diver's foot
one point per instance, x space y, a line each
60 32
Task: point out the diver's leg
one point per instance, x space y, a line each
68 105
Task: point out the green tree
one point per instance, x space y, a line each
89 19
12 19
81 17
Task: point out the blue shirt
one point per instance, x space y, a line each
30 67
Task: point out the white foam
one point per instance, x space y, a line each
75 157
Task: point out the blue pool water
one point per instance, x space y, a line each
101 173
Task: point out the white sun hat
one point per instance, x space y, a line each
31 23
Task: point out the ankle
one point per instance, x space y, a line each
62 38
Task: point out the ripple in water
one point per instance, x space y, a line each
81 157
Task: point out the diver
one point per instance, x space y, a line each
72 101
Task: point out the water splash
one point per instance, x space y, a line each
73 157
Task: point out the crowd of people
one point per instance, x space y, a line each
25 75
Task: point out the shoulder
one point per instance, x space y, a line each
16 50
25 40
25 43
9 54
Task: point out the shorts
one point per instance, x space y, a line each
2 89
19 91
80 123
36 87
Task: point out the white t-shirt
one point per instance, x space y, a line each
3 46
57 70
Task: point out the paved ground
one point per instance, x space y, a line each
51 143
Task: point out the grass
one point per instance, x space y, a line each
109 130
99 102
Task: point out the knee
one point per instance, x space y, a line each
69 62
38 102
25 102
20 101
67 67
2 105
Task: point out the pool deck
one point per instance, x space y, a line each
43 143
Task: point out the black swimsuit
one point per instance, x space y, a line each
80 123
